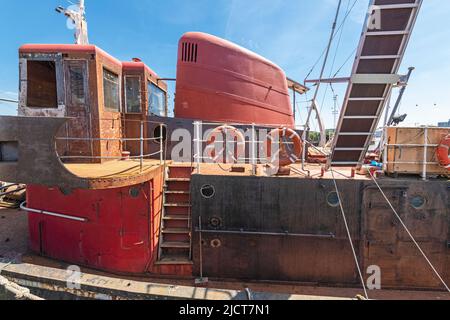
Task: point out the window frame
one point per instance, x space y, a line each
119 88
83 64
126 110
27 88
150 85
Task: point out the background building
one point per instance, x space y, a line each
444 124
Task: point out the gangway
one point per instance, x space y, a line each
383 43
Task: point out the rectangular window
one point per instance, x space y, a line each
9 151
157 100
111 91
41 84
76 85
133 94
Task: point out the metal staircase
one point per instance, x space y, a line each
381 49
175 244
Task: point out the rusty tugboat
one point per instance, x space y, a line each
229 191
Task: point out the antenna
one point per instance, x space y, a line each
77 15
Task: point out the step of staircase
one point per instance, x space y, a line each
176 231
178 180
176 245
177 196
177 192
184 205
179 171
174 260
176 217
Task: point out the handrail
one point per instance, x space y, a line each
141 140
253 141
23 206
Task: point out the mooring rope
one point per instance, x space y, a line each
350 237
409 233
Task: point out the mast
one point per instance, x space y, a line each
77 15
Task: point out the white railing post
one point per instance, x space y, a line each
198 145
384 145
254 151
425 154
161 144
142 146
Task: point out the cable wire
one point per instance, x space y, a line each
350 236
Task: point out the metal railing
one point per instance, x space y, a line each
141 139
253 142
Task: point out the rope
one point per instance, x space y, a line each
409 233
350 237
18 291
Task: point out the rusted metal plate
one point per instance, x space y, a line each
275 229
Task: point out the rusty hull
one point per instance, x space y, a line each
283 229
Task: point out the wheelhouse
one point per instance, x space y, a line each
105 99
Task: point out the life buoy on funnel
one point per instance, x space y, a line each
287 155
443 154
225 131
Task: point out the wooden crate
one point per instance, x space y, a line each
398 151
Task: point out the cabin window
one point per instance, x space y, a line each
41 84
157 100
76 84
133 94
111 89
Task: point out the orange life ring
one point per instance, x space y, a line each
286 156
238 139
443 154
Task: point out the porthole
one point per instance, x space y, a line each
333 199
208 191
157 134
216 243
134 192
418 202
215 222
65 191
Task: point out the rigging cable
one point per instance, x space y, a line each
349 236
335 56
325 50
409 233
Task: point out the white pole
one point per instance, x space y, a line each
197 144
425 154
254 150
142 145
161 146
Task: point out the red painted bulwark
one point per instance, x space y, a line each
121 234
220 81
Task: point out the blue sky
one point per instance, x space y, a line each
290 33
